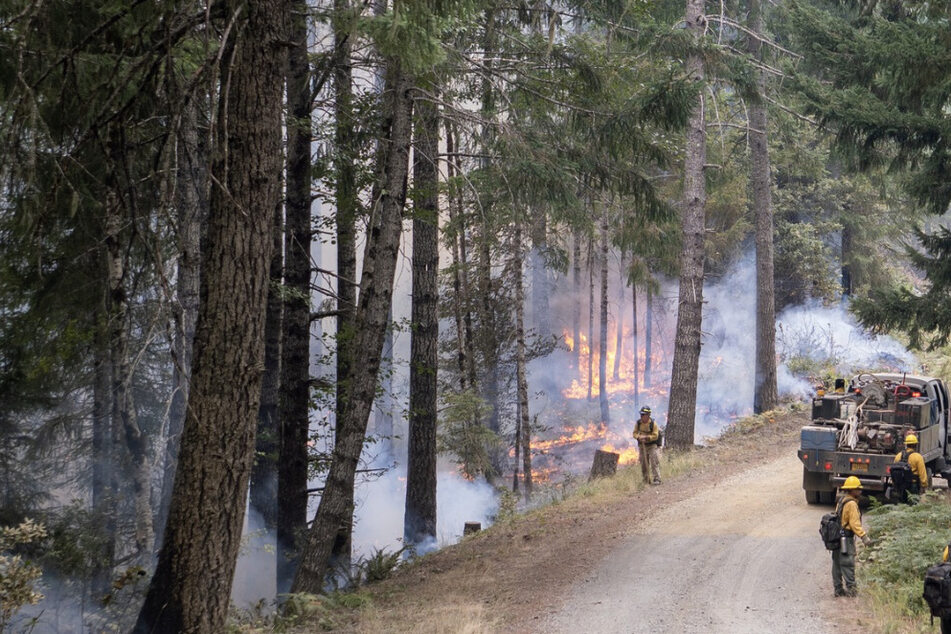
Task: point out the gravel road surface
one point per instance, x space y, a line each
741 556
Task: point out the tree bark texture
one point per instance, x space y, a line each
103 493
191 588
376 291
765 395
419 524
590 318
524 423
294 401
603 338
683 381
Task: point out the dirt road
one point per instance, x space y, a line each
741 555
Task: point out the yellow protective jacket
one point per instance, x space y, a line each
649 429
852 517
917 464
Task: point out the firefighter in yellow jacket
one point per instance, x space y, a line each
647 433
843 559
915 461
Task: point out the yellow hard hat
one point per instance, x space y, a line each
852 482
911 439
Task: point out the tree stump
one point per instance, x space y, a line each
471 527
604 465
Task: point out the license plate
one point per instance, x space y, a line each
859 466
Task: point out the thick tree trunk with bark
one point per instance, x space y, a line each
419 524
336 504
683 380
190 591
765 395
603 338
294 402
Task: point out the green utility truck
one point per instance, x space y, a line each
858 429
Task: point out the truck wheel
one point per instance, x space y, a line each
827 497
946 625
812 497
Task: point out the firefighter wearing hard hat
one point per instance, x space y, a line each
916 462
850 517
647 434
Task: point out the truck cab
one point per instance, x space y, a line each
859 428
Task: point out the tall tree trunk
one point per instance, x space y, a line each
603 338
765 396
648 334
683 380
294 402
347 208
134 452
191 183
541 316
524 423
635 344
191 588
419 524
379 266
590 318
455 233
619 334
576 297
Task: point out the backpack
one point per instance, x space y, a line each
830 527
660 434
903 478
937 590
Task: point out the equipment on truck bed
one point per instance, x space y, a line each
857 429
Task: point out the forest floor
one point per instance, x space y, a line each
726 543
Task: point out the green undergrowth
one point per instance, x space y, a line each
907 539
319 612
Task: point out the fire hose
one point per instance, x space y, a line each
849 434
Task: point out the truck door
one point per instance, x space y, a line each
939 411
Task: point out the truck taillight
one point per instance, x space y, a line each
805 456
828 466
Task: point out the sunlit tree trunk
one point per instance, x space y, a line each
683 380
590 318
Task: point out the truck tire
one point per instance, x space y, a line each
946 625
812 497
826 497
